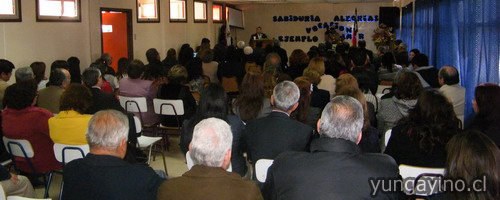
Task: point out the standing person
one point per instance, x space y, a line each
258 35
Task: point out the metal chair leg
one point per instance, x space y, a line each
47 185
164 163
61 190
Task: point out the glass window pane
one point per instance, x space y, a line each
147 9
177 9
200 11
7 7
217 13
70 9
66 8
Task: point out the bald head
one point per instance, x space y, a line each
448 75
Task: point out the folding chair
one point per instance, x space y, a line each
169 107
190 163
430 176
261 167
146 142
136 105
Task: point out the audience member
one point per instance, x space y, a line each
337 66
205 44
69 126
362 71
420 138
153 70
282 53
327 82
106 85
176 89
252 103
449 81
429 74
209 65
406 90
362 46
134 86
107 60
170 60
6 68
345 80
24 74
74 70
122 68
232 67
370 136
259 53
92 79
59 64
22 120
486 105
335 168
213 103
195 74
319 97
297 63
269 136
185 54
472 156
305 112
413 53
103 174
50 96
210 150
38 69
15 185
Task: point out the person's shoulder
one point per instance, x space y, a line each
42 112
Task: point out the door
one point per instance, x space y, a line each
116 34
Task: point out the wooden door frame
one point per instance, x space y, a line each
130 31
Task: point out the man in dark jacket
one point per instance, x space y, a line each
335 168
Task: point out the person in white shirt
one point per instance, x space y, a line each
449 80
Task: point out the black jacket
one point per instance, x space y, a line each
109 177
269 136
103 101
335 169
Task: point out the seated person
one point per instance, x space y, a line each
134 86
22 120
49 97
15 185
251 103
319 97
210 150
92 79
176 89
269 136
70 125
103 174
487 115
420 138
335 167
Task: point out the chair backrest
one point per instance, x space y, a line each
168 106
387 136
2 193
431 177
18 147
138 125
261 167
230 84
66 153
134 104
382 88
22 198
190 163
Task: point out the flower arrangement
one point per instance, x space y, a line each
383 36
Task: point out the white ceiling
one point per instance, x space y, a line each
300 1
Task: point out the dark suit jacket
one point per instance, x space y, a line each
203 182
263 36
103 101
335 169
109 177
269 136
430 75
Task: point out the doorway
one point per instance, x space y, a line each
116 34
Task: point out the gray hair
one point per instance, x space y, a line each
248 50
286 94
212 139
342 118
240 44
24 73
107 129
90 76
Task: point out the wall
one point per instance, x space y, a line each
326 12
28 41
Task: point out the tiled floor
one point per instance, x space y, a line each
176 166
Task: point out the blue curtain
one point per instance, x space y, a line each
464 34
406 26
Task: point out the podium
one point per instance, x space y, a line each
265 42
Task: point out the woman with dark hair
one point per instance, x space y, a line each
232 67
486 105
185 55
306 113
38 69
406 90
298 62
420 138
413 53
337 65
370 136
471 156
22 120
251 103
70 125
122 68
195 74
170 60
213 103
176 89
59 64
74 70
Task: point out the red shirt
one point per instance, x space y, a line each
31 124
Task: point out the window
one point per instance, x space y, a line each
178 11
200 11
10 10
217 13
58 10
148 11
